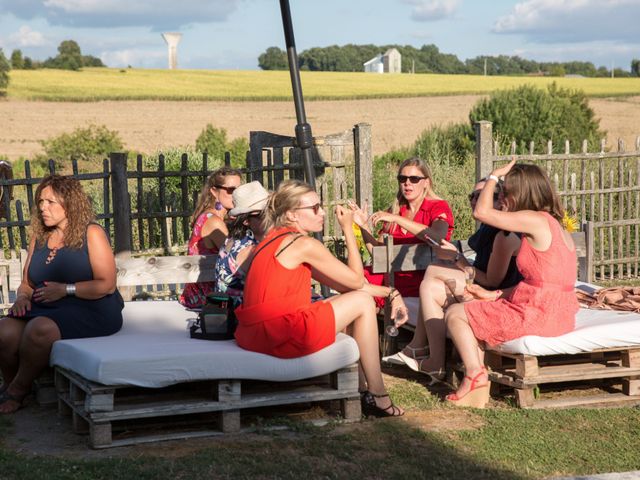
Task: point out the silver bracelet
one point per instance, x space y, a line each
493 177
71 289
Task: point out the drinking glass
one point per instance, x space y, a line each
469 275
392 330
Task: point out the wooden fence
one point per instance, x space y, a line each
146 209
600 187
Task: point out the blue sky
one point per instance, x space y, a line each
230 34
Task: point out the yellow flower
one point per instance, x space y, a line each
570 222
362 247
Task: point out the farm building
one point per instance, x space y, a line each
389 62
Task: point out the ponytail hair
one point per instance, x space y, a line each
286 197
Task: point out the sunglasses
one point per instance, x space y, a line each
229 190
475 195
411 178
255 214
316 208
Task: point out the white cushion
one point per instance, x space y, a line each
153 349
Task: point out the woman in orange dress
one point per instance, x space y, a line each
543 303
277 316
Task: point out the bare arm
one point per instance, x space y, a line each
437 230
214 232
504 247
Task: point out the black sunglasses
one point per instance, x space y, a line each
229 190
411 178
316 208
476 194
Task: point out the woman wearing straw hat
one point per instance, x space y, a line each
245 231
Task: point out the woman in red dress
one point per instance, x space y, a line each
416 214
543 303
277 316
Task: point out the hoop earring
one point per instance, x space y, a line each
218 206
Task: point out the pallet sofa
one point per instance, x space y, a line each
151 382
605 344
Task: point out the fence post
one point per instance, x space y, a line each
363 164
121 204
254 157
484 149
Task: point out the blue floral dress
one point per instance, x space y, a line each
230 278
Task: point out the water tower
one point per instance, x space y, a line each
172 40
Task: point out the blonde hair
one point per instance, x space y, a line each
77 208
426 172
286 197
528 188
207 200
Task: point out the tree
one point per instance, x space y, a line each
69 57
17 61
4 72
635 67
273 59
28 63
83 143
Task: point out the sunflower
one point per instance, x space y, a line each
570 222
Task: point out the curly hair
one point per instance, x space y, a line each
77 208
206 200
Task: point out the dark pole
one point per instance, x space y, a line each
304 137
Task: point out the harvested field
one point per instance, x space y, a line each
148 126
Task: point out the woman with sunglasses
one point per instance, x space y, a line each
494 267
277 316
417 215
209 230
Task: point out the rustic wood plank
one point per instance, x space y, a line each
154 270
525 397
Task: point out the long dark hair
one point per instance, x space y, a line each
206 200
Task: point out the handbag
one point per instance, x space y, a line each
216 320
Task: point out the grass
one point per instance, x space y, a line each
498 443
93 84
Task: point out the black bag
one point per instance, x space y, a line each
217 320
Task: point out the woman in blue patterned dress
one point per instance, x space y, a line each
245 231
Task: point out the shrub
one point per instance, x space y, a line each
527 114
449 145
83 144
213 142
4 72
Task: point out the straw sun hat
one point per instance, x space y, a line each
250 197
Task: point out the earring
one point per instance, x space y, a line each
218 206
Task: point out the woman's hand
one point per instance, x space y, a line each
21 306
382 216
360 215
479 293
447 250
345 217
502 171
399 311
50 292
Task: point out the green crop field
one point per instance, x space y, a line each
93 84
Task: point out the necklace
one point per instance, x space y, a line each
52 255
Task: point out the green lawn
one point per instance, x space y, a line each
93 84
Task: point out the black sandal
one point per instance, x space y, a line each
370 409
8 397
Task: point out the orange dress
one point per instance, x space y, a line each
543 303
276 316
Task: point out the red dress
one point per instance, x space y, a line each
543 303
408 283
276 316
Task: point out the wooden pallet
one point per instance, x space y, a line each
100 410
526 372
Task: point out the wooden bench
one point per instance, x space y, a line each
212 406
525 373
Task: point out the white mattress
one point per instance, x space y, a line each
153 349
595 329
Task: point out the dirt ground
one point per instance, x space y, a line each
148 126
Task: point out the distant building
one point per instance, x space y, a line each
389 62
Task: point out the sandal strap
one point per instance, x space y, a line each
379 395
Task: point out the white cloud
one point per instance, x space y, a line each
600 53
551 21
135 58
432 10
155 14
25 37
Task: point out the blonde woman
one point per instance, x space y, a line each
277 316
209 231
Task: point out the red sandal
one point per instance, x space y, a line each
477 396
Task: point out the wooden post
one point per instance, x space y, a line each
484 149
254 158
121 204
590 241
363 164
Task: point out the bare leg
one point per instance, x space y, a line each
35 348
11 330
467 345
358 309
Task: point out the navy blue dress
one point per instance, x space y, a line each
481 242
75 317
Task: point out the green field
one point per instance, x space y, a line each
93 84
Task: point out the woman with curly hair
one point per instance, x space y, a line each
68 287
209 231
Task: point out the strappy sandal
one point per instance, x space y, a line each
477 396
8 397
370 409
401 358
435 376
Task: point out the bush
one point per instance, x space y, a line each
4 72
525 114
89 143
449 145
213 142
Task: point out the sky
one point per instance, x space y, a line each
231 34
